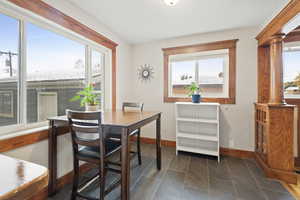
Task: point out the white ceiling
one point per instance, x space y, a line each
145 20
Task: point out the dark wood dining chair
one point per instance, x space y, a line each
137 132
92 145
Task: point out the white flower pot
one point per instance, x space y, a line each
91 107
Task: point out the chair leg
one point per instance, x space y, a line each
138 145
102 182
75 179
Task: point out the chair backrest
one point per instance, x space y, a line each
84 125
139 106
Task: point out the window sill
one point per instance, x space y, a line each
11 141
216 100
27 131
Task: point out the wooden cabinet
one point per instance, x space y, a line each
274 136
261 131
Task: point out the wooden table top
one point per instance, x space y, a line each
21 179
119 117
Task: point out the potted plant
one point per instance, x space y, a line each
88 98
194 92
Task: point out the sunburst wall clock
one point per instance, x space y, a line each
145 73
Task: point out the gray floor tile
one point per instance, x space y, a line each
194 194
262 181
218 170
197 174
271 195
221 189
247 192
193 177
146 189
180 162
171 187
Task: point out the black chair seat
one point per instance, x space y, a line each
118 136
111 146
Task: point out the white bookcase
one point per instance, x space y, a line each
197 128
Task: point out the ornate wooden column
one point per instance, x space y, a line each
276 70
274 121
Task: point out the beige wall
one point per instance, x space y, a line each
237 124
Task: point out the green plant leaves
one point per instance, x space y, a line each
193 88
87 96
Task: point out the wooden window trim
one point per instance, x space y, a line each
226 44
45 10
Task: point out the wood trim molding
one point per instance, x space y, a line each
276 25
237 153
24 140
227 44
45 10
224 151
166 143
292 37
286 176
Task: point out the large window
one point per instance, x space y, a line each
211 66
9 53
291 78
37 82
55 72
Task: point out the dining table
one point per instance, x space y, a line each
118 121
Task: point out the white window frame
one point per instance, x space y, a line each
24 16
224 53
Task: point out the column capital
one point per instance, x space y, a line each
277 38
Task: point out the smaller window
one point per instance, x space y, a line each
211 66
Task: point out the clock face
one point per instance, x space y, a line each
145 72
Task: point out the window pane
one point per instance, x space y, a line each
97 67
211 77
9 41
291 74
183 74
55 72
97 70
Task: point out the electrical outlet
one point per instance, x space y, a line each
231 142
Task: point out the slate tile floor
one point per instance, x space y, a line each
194 177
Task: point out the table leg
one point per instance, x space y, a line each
158 143
125 165
52 155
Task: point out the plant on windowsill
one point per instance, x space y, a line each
88 98
194 92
